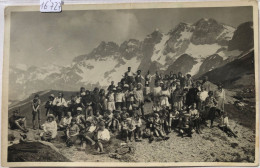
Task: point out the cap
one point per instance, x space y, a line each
52 95
51 116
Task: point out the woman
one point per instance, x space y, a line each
49 129
36 110
220 97
165 94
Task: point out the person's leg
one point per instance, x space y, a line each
130 135
89 139
33 119
100 146
39 119
142 109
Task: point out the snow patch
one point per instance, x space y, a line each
226 54
158 50
195 69
202 51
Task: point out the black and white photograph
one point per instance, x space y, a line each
167 84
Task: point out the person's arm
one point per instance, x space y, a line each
77 132
68 133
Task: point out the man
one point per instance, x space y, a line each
36 110
129 75
65 121
96 101
103 137
49 105
17 122
148 79
192 95
138 77
60 104
111 86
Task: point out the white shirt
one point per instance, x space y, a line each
203 95
157 91
103 135
60 102
50 127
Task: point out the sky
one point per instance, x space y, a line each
40 39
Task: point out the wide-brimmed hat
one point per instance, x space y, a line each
51 116
52 95
126 85
102 124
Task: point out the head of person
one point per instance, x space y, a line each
139 86
101 125
129 69
50 118
73 121
150 118
156 84
96 90
202 88
174 76
164 86
15 113
68 114
79 110
161 84
97 113
171 73
112 82
194 106
126 87
148 72
60 94
82 89
139 72
119 84
194 85
118 89
210 93
220 86
205 78
36 96
102 92
156 115
179 74
87 92
178 86
51 97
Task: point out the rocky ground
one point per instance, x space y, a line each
213 145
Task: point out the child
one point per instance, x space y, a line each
119 98
80 118
98 117
65 121
173 118
72 133
116 121
149 130
103 137
111 100
194 118
127 128
108 117
138 124
157 124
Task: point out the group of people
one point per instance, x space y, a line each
178 103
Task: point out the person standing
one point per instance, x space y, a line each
129 75
220 97
138 77
139 98
49 105
60 104
36 111
206 84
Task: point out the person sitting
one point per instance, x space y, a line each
89 133
148 131
158 127
80 119
17 122
173 118
98 117
125 128
108 117
116 121
49 128
65 121
224 125
194 118
103 137
72 133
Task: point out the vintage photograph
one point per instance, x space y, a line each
132 84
